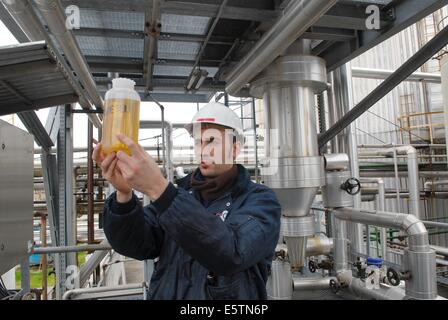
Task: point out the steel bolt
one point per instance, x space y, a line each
2 247
3 146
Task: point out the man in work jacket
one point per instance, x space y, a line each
212 236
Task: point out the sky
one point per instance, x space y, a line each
174 112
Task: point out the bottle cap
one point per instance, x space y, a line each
123 83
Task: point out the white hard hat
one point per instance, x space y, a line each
217 113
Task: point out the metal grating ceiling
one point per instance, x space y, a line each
178 50
114 47
161 70
112 20
185 24
112 36
31 78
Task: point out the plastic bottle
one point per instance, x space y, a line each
121 115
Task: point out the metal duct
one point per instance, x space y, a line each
294 170
296 19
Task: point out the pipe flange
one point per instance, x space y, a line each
297 226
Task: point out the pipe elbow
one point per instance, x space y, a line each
417 232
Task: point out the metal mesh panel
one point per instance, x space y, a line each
112 20
184 24
178 50
114 47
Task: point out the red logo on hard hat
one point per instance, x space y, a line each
206 120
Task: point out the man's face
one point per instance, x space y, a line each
214 149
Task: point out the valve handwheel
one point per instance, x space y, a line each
393 277
352 186
312 266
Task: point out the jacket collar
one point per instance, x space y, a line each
242 181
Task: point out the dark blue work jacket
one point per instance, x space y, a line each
222 251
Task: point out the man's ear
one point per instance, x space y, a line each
236 149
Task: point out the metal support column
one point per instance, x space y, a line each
90 206
66 214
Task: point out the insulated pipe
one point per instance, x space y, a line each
55 18
419 258
26 18
295 20
430 184
413 174
414 228
358 288
440 250
303 284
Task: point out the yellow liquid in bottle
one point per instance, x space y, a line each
120 116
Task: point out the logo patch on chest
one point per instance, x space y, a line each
222 215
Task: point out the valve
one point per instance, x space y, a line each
335 286
393 277
312 266
352 186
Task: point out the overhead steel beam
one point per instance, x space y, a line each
179 8
423 55
204 44
331 34
11 24
54 15
343 16
36 128
42 103
152 31
406 13
164 36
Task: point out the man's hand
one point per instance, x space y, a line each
140 171
112 173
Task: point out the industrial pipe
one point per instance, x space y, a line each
72 294
430 184
296 19
419 258
90 247
302 284
413 174
381 74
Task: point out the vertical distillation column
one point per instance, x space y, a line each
293 168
